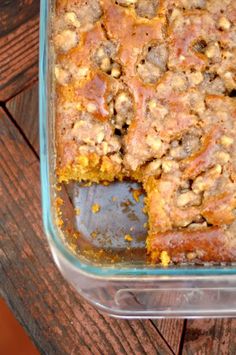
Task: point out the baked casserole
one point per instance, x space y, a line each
145 90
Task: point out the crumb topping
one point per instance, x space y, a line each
145 90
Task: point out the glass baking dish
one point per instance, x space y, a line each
107 270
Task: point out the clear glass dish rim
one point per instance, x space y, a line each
49 227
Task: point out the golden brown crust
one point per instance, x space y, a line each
146 91
207 245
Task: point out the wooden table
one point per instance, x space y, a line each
58 320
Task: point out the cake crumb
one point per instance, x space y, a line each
73 248
77 211
154 256
76 235
126 203
145 225
59 222
136 194
144 210
94 234
96 208
128 238
165 259
58 203
131 228
114 198
86 184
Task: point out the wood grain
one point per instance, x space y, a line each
19 32
172 331
59 320
24 109
210 336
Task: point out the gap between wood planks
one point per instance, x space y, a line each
27 86
181 344
20 130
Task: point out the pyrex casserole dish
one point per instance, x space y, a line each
124 286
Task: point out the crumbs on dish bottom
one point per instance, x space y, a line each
95 208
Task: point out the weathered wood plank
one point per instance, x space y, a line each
24 108
59 320
19 32
210 336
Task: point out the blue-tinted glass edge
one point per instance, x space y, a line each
45 187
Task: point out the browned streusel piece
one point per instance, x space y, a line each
153 62
143 8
